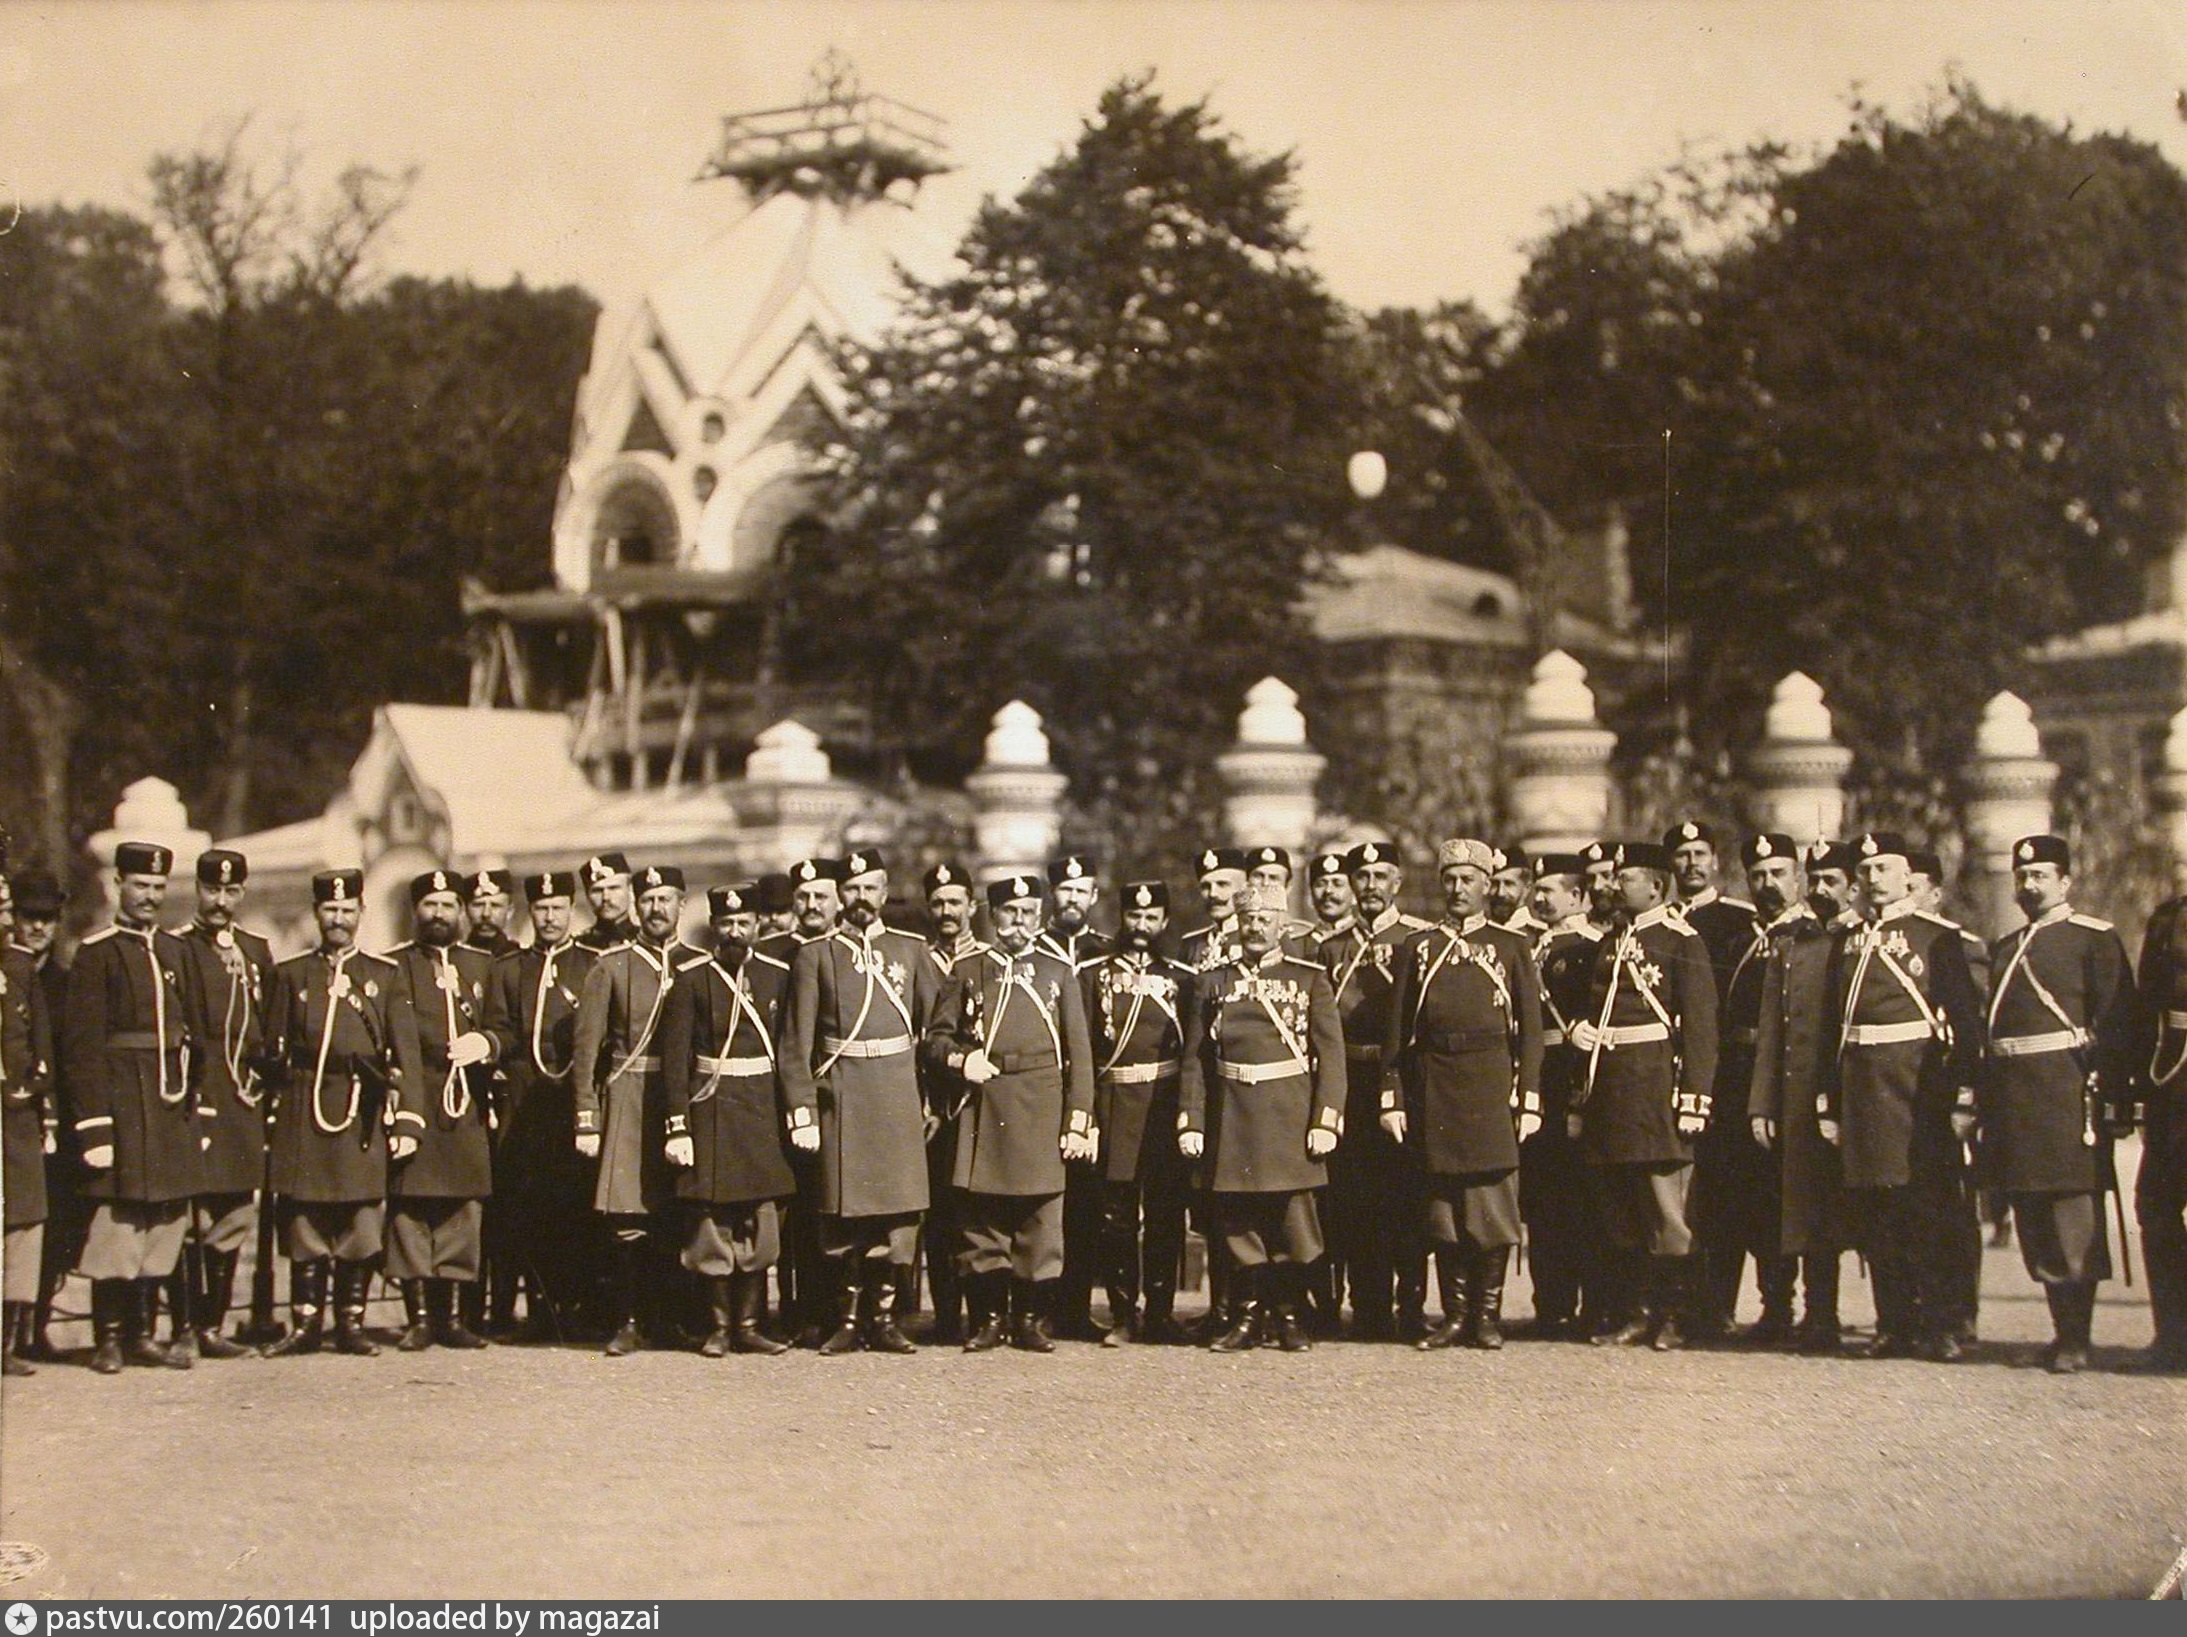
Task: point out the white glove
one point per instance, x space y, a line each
805 1139
1572 1125
1829 1131
1582 1035
401 1148
1191 1144
588 1144
681 1152
1077 1146
1320 1143
979 1068
1393 1124
51 1146
1764 1129
1529 1123
1963 1124
100 1158
467 1049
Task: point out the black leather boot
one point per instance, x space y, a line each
883 1333
1626 1301
745 1335
987 1298
1291 1333
106 1325
1452 1291
1244 1332
722 1305
625 1277
1030 1333
1485 1296
352 1280
11 1362
1671 1279
214 1300
455 1298
851 1284
417 1318
307 1311
138 1345
2072 1308
1776 1275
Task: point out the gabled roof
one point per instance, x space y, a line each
1388 592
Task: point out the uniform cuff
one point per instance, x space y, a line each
800 1118
402 1114
588 1123
678 1125
94 1120
1331 1119
1081 1122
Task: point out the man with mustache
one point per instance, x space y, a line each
1136 999
1556 1194
488 899
1073 890
607 889
810 893
947 888
26 1136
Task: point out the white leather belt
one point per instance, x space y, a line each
639 1065
1141 1074
736 1067
867 1048
1887 1034
1553 1037
1633 1034
2176 1020
1252 1074
2035 1045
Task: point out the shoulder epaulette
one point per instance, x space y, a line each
390 954
1935 919
2095 923
1300 960
298 958
1413 923
696 960
367 955
761 955
1736 903
98 937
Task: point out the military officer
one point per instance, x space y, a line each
1074 887
1726 924
436 1194
1461 1086
39 903
1261 1107
1904 1042
1135 999
607 889
225 974
488 899
1962 1207
775 895
2058 1085
1010 1025
542 1207
343 1049
1600 859
1511 894
2160 1186
622 1110
811 895
1650 1039
947 888
726 1127
1370 1201
1556 1194
1329 890
27 1121
1221 874
1734 1191
860 1001
1782 1101
124 1043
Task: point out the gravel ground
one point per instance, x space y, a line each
1550 1469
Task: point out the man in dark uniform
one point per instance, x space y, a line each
1371 1206
622 1108
726 1129
948 892
811 896
1261 1106
124 1041
1599 861
1511 894
488 898
1461 1087
1010 1025
776 897
1962 1208
606 878
1135 1000
27 1120
1904 1043
2160 1187
1329 890
1073 890
542 1209
860 1001
436 1195
1556 1194
343 1047
1789 1043
1735 1200
39 902
225 974
1650 1039
1221 874
1726 924
2058 1085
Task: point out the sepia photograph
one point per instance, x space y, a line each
1156 800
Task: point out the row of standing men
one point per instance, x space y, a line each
1634 1069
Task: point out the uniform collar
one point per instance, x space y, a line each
1707 895
1381 923
1793 913
1579 922
1898 911
2064 912
144 934
1653 917
1466 928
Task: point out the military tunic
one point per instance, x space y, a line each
2160 1186
1260 1071
717 1042
445 991
122 1051
1463 1049
1135 1015
857 1007
616 1074
1789 1046
225 975
27 1115
1212 945
345 1049
1652 1000
1556 1193
1026 1013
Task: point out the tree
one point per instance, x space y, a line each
1093 467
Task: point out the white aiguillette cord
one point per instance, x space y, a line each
337 991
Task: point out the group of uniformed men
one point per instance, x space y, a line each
1597 1052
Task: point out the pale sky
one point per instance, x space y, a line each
557 140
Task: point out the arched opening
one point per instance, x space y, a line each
635 527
